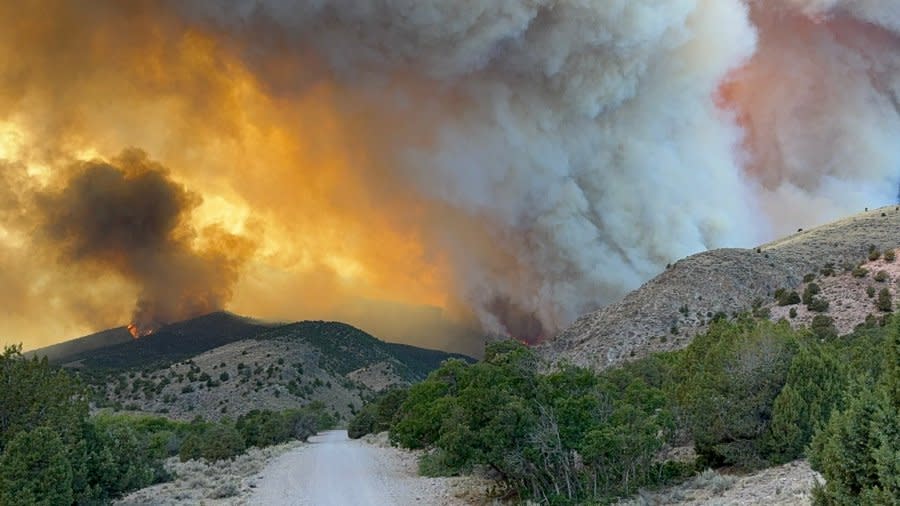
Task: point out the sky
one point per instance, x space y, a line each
429 171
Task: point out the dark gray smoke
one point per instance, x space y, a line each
129 216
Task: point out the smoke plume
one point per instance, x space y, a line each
515 163
128 216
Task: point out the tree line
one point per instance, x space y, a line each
748 393
52 452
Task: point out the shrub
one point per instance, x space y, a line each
881 276
789 298
809 292
809 278
823 327
263 428
35 469
435 463
712 480
125 453
212 442
224 376
378 415
885 303
266 428
792 313
889 255
762 312
818 305
859 271
363 423
874 254
870 291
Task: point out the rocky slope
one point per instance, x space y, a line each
666 312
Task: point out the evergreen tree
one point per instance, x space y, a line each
858 452
728 380
35 470
34 394
815 384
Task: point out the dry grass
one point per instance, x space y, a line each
787 485
224 483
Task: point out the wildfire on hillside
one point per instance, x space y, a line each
514 164
138 332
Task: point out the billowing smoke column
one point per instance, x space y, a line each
578 147
517 162
130 217
819 106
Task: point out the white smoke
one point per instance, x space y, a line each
579 146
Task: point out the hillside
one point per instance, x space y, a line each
667 311
222 365
169 344
64 350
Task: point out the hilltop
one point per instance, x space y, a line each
116 349
669 310
223 365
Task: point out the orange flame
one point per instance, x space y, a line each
132 328
136 332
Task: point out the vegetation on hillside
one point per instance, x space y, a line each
345 348
53 452
747 393
275 368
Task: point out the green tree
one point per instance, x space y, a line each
814 388
419 419
120 457
728 381
858 451
35 470
32 394
786 435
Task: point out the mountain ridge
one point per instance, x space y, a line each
224 365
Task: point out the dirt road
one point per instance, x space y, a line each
334 470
